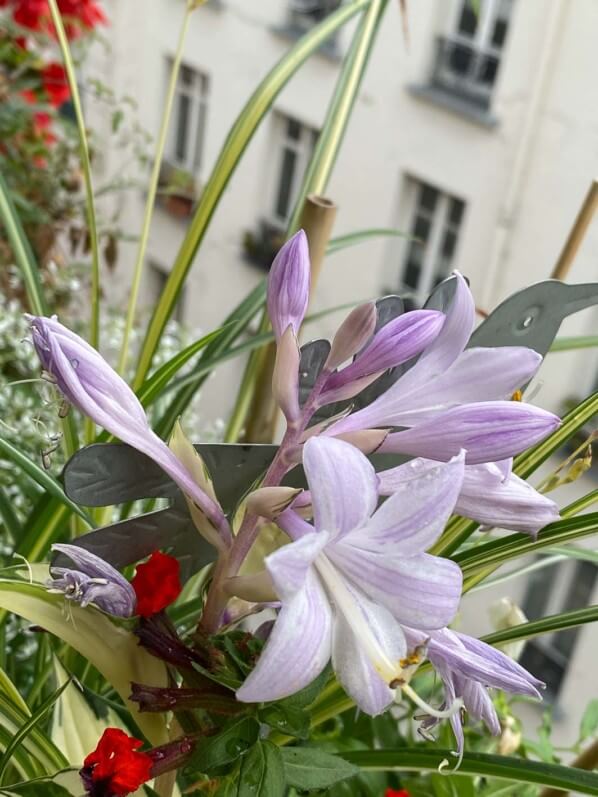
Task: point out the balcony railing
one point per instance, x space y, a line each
465 71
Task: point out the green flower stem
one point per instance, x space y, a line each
152 190
94 333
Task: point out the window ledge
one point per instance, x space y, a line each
454 104
329 50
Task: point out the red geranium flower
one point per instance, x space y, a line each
114 768
55 84
396 793
157 583
78 15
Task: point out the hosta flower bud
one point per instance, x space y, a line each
288 285
352 335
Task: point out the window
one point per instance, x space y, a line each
552 590
435 229
305 13
467 62
158 277
188 124
297 142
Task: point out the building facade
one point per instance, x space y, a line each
475 134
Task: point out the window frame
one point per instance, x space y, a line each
440 225
303 148
198 95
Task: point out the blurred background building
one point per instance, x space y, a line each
478 135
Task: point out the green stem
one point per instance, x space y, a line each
94 333
152 190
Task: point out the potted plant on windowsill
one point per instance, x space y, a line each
180 192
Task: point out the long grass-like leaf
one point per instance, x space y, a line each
547 625
234 146
315 181
22 252
41 477
421 759
572 343
152 189
8 516
28 726
496 552
362 236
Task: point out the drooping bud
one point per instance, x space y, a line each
269 502
352 335
285 379
288 285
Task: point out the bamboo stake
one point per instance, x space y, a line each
577 234
317 219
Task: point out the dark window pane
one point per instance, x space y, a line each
182 128
421 228
411 276
543 667
456 212
448 245
499 33
468 21
287 171
186 76
578 595
428 197
461 59
293 129
487 70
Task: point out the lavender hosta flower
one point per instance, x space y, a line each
467 667
445 380
288 285
90 384
395 343
488 494
489 431
348 582
94 581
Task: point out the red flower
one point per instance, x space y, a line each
114 768
55 84
396 793
78 15
156 583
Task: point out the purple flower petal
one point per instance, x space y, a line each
297 650
508 504
351 664
90 384
290 565
488 431
422 591
352 335
477 375
288 285
343 484
415 515
487 494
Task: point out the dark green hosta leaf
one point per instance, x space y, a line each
307 695
289 719
308 768
232 742
262 772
